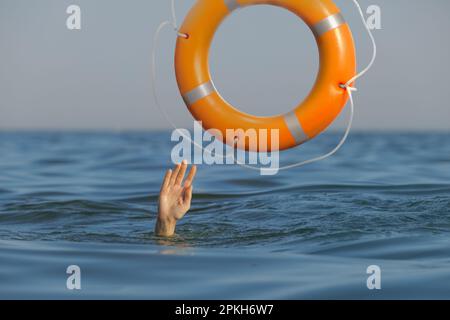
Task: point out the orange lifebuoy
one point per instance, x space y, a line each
312 116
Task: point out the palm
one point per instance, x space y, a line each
174 201
175 196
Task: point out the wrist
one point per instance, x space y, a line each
165 226
165 217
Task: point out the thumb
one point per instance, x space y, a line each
188 195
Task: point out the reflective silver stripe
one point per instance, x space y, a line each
199 93
327 24
231 4
295 128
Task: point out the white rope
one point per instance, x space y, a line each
154 89
347 86
174 22
374 47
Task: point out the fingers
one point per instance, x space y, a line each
190 177
174 174
187 195
166 180
177 175
181 173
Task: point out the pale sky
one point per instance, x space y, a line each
263 60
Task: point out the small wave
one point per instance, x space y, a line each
64 211
54 162
376 188
407 189
393 248
45 194
5 191
253 183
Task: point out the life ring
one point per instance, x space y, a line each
320 108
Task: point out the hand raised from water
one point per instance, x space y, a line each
174 198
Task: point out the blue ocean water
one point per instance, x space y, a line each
89 199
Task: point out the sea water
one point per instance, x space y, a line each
90 198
